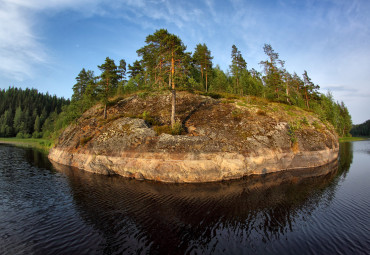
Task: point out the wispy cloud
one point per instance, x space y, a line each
21 47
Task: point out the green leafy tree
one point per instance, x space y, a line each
164 56
121 70
154 60
174 52
220 80
83 78
238 68
108 81
345 125
37 125
6 125
18 120
273 74
310 89
203 62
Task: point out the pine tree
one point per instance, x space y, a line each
203 61
109 81
310 89
238 68
273 74
18 120
83 78
37 124
164 56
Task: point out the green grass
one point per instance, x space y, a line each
43 144
352 139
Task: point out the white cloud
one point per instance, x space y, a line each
21 48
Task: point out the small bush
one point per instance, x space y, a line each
143 95
149 119
292 135
236 114
316 125
37 134
304 121
21 135
177 129
45 144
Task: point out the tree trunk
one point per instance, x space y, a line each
173 108
206 82
308 107
173 92
287 93
105 111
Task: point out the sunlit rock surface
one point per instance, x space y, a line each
223 139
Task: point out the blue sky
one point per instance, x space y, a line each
44 44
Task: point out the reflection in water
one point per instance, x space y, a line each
184 218
70 211
345 157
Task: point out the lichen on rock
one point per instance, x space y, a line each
221 140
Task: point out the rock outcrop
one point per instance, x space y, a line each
222 139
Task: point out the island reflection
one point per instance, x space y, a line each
139 216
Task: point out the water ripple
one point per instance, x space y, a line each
60 210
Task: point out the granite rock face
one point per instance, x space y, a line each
222 139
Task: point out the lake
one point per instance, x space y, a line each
52 209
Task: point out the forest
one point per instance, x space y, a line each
165 64
361 129
28 113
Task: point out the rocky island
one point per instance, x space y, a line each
221 139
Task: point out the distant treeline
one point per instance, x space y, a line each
361 129
28 113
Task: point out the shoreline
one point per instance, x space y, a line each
37 143
191 168
353 139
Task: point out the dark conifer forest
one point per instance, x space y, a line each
28 113
165 64
361 129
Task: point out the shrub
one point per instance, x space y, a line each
21 135
236 114
305 121
177 129
37 134
292 135
143 95
149 119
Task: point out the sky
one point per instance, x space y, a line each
45 44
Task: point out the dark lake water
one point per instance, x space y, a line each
51 209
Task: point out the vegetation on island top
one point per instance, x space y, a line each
164 64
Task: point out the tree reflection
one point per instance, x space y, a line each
345 157
136 216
